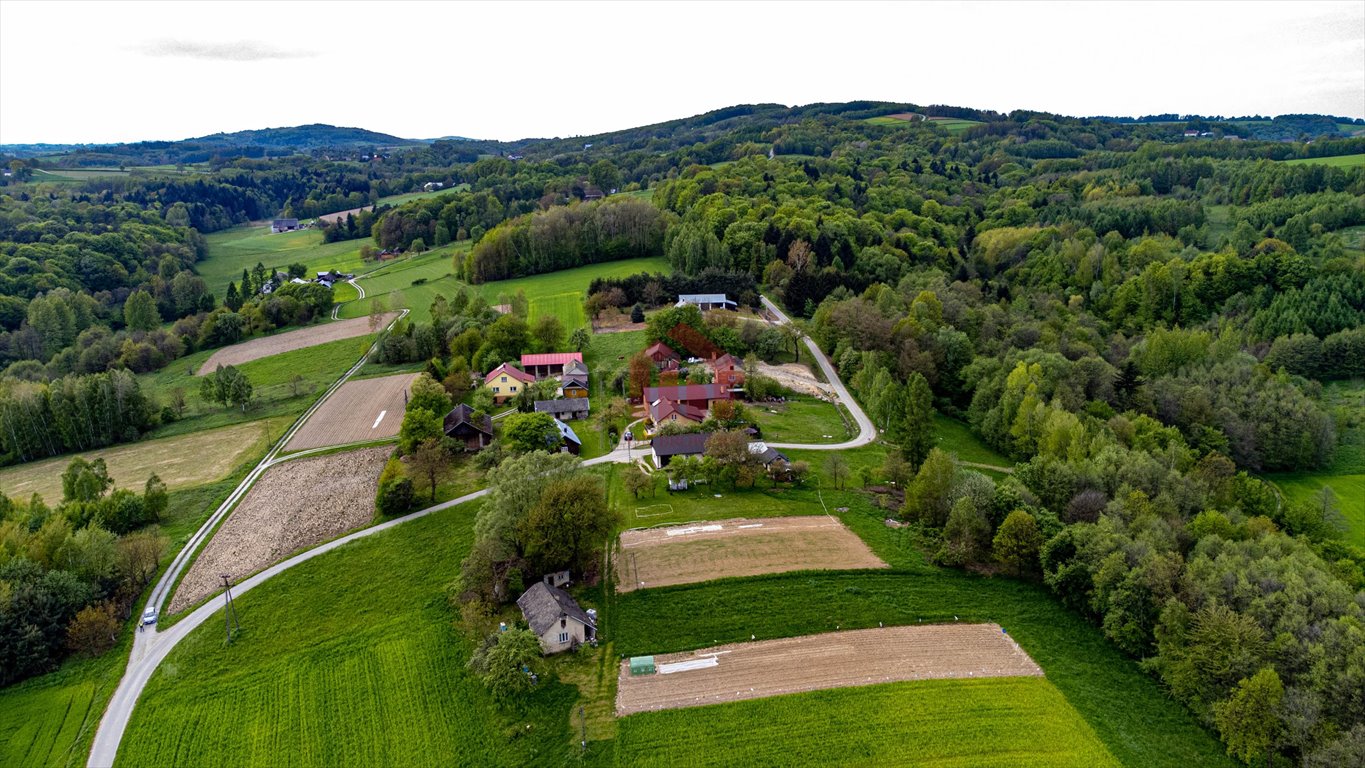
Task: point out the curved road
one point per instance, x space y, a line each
150 646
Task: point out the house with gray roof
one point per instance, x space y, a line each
556 618
567 409
705 301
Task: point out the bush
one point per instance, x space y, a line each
94 630
394 497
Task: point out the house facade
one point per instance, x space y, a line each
567 409
662 412
506 382
706 301
556 618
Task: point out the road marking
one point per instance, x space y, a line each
381 418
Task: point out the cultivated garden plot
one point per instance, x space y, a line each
293 506
368 409
289 341
657 557
743 671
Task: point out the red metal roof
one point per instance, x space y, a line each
660 348
510 371
687 392
550 358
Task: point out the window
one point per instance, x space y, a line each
503 379
513 389
497 390
563 637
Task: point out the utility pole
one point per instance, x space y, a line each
229 610
582 731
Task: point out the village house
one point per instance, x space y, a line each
432 186
706 301
506 381
568 440
727 371
668 447
283 225
461 425
546 365
574 381
568 410
696 395
663 412
663 355
556 618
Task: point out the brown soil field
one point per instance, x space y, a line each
182 461
798 378
832 660
289 341
658 557
368 409
293 506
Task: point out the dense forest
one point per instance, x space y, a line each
1144 322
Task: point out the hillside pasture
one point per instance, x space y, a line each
656 557
742 671
1345 476
183 461
233 250
367 409
293 506
1336 161
267 346
1006 722
800 420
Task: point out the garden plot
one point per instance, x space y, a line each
657 557
833 660
368 409
293 506
289 341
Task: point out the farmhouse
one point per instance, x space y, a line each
568 410
669 446
569 442
662 355
695 395
574 381
506 381
706 301
549 364
663 412
460 424
555 618
727 371
284 225
766 455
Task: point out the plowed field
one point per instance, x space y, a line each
369 409
832 660
293 506
266 346
657 557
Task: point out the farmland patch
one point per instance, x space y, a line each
685 554
289 341
743 671
368 409
293 506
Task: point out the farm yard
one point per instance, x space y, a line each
1009 722
292 507
832 660
364 409
268 346
657 557
183 461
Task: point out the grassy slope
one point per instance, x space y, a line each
1346 475
957 438
337 665
1339 161
800 420
232 250
1005 722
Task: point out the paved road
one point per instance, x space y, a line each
150 646
867 431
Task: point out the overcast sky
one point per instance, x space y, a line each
116 71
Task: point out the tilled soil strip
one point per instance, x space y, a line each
368 409
743 671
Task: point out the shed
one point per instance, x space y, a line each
284 225
567 409
642 665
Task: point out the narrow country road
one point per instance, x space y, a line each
150 646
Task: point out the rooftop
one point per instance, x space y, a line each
551 358
567 405
544 605
693 444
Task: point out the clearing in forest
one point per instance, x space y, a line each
289 341
657 557
368 409
293 506
832 660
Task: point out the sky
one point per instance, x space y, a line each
75 72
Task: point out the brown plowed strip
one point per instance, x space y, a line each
657 557
293 506
369 409
832 660
289 341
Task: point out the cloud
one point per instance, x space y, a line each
242 50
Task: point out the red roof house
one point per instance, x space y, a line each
695 395
506 382
661 354
549 364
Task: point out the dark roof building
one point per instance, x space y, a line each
284 225
668 446
569 408
555 618
461 425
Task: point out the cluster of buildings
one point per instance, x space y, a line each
689 404
506 382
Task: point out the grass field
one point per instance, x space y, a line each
957 438
181 462
347 659
998 722
319 366
232 250
1354 240
1346 474
1339 161
950 124
800 420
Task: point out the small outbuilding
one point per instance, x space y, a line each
460 424
556 618
284 225
567 409
569 441
706 301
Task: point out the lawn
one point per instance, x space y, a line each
350 658
272 396
409 196
1001 722
183 461
800 420
957 438
1338 161
400 275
